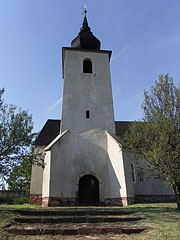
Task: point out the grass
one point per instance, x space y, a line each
163 220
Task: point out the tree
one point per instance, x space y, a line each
16 140
20 176
157 136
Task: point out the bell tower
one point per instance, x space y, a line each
84 164
87 93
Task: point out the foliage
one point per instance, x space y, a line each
14 200
157 136
20 176
16 143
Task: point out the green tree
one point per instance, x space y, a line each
157 136
16 141
20 177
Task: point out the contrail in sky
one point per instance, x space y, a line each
54 105
122 51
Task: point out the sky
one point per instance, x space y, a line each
144 36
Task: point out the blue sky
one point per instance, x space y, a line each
144 36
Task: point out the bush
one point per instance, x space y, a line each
15 200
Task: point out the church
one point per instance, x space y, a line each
84 162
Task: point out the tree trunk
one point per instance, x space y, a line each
178 201
176 188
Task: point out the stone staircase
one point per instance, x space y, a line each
76 221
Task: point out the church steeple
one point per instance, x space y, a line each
85 38
85 26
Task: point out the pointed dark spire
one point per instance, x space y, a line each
85 23
85 26
85 38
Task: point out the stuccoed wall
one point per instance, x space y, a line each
84 148
91 152
87 91
47 174
120 176
151 185
74 156
37 176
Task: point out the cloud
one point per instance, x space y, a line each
122 51
54 105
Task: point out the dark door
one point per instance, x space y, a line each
88 190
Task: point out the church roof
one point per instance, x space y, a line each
52 128
85 38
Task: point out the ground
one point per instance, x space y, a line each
161 219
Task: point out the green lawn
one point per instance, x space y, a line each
162 220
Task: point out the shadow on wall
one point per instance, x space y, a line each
92 163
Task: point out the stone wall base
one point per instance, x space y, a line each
124 201
55 201
35 199
155 198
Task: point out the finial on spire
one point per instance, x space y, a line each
85 22
85 10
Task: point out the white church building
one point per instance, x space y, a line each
84 162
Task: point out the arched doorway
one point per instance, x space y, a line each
88 190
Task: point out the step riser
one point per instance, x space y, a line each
75 220
73 213
68 221
79 231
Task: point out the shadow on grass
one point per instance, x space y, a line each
157 212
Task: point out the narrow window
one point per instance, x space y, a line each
141 175
133 173
87 66
87 114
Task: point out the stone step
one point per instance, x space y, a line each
74 230
77 219
74 212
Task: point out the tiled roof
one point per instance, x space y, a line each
48 133
121 127
52 127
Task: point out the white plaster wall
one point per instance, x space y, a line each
46 174
83 149
127 159
37 176
151 184
86 91
120 182
77 155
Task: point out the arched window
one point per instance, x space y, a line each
87 66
